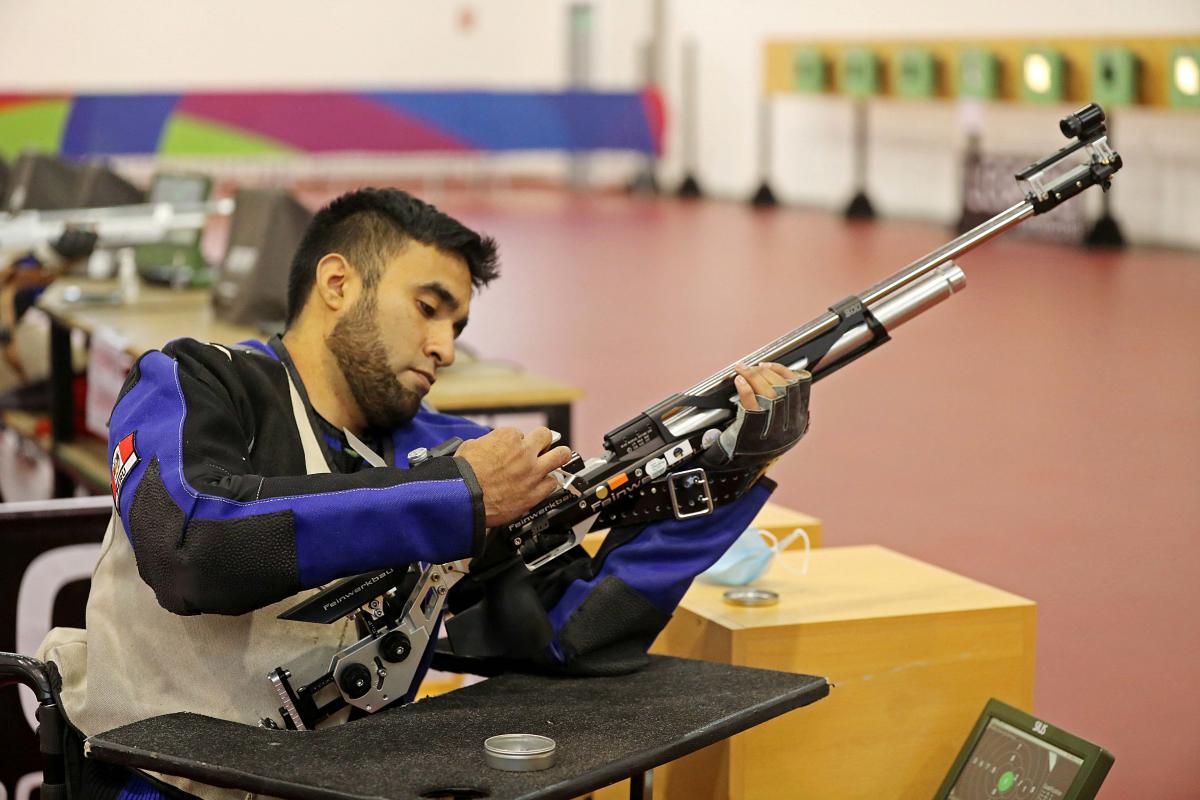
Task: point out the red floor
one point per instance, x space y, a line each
1040 432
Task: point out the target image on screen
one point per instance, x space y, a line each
1009 763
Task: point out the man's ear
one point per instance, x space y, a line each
333 281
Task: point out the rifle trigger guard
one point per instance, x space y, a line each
689 489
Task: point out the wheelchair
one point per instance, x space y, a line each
19 669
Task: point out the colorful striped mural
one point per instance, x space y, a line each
255 123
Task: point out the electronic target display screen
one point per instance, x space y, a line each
1012 755
1007 762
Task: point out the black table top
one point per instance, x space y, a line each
606 729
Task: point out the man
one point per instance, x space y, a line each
242 477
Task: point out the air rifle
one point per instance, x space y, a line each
663 443
117 226
650 468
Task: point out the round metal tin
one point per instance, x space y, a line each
519 752
751 597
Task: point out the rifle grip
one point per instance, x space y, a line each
509 622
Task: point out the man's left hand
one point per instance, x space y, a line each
759 381
772 416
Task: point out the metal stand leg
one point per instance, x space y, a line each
860 205
62 399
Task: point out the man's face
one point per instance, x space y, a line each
390 343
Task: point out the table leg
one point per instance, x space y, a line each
558 415
558 418
62 398
641 785
63 485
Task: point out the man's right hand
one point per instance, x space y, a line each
512 470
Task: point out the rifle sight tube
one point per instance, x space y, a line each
917 297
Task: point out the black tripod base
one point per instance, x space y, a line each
1105 233
764 197
860 207
643 183
690 188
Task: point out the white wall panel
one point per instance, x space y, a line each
137 45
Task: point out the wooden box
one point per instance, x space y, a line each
914 653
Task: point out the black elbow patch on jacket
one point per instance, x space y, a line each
211 566
155 530
610 632
239 565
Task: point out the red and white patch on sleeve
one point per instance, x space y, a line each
124 459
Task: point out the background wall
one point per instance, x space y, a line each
138 46
915 147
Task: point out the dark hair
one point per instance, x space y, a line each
368 226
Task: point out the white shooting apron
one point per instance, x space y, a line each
138 660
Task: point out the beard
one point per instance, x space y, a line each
358 348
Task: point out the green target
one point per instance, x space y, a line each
810 71
916 73
1114 76
978 74
1184 77
860 72
1043 75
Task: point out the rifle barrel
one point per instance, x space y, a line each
950 250
916 297
879 293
